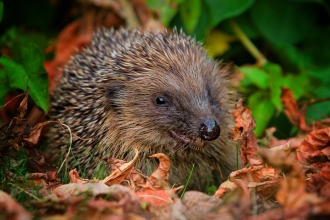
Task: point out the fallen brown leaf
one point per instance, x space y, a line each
159 178
295 115
265 180
198 204
120 174
292 193
293 142
243 133
315 147
75 178
156 197
10 209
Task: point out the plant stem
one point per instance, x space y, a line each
247 43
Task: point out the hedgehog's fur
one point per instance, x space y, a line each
108 93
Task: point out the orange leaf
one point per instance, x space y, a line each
159 178
75 178
315 147
156 197
243 132
10 209
122 172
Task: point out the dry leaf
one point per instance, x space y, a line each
293 142
23 106
10 209
75 178
225 187
155 197
243 132
199 204
77 188
34 134
294 114
159 178
118 175
315 147
292 193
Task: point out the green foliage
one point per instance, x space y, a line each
291 33
21 76
190 12
264 86
167 8
280 22
25 68
223 9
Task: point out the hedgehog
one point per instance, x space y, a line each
155 92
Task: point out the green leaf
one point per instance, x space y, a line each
15 72
283 22
257 76
320 110
38 80
30 74
298 84
32 59
15 39
203 23
321 73
167 9
4 86
223 9
190 12
1 10
276 80
262 111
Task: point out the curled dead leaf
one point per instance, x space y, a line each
75 178
225 187
315 147
295 115
243 133
120 174
159 178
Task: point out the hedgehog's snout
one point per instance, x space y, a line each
209 130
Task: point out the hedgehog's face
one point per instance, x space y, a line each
184 124
182 111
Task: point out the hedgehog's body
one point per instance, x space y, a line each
154 92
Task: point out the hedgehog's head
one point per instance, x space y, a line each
168 93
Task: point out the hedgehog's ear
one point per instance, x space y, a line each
112 93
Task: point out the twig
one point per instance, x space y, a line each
12 100
314 101
131 17
247 43
69 150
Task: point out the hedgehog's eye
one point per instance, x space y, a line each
161 101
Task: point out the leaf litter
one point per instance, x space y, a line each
278 182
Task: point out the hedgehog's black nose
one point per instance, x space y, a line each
210 130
